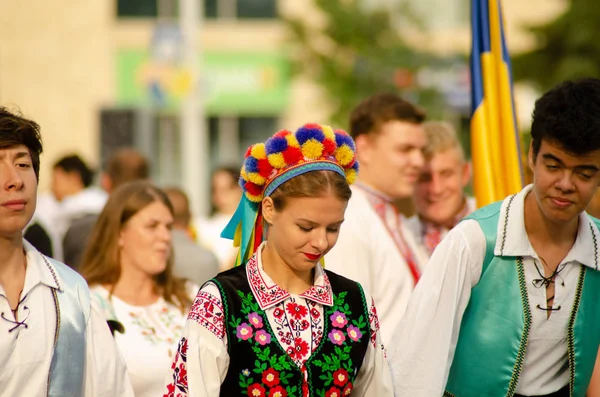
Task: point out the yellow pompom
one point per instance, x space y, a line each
254 199
312 149
328 132
243 173
351 175
259 151
344 155
276 160
292 141
255 178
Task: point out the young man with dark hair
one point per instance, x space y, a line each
52 340
508 305
375 246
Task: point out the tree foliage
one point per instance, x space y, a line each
355 51
566 48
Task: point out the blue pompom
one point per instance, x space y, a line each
242 182
344 140
251 164
276 145
304 134
355 166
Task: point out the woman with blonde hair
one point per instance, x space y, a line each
128 265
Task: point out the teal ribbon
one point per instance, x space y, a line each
243 219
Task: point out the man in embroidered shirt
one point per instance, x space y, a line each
375 247
52 342
439 198
508 304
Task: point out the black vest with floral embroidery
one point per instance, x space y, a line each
259 366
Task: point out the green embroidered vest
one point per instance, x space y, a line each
495 327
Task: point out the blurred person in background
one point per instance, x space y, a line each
53 339
192 261
123 166
72 186
375 246
226 194
129 267
440 200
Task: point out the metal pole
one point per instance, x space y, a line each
194 137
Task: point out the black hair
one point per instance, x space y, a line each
74 163
568 115
16 130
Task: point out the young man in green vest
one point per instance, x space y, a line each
510 302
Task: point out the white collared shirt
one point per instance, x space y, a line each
427 338
27 351
205 335
417 227
366 252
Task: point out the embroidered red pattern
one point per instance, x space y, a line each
374 322
265 295
207 310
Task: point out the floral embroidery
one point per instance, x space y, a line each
270 377
354 333
272 372
333 392
244 331
340 377
337 367
207 311
277 391
180 381
295 310
256 390
336 336
255 320
263 337
169 317
338 319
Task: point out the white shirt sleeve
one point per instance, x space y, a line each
374 378
351 257
201 362
420 359
105 371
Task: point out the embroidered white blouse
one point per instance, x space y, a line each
150 338
27 351
297 321
427 338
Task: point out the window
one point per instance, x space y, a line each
230 136
240 9
256 9
137 8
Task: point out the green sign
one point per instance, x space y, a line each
230 82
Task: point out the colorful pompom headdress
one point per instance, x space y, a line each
282 157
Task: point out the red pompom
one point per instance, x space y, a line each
292 155
253 189
264 168
312 126
247 154
282 133
329 147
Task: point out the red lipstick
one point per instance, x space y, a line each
312 257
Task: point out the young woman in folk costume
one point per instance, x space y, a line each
280 325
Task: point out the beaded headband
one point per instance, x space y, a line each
284 156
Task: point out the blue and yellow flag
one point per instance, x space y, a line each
495 140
